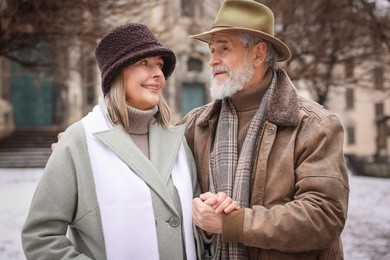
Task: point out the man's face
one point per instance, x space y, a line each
232 68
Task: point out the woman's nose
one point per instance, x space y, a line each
157 72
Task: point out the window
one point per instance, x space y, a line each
379 109
351 135
194 64
90 79
349 98
187 7
192 96
378 78
193 8
349 68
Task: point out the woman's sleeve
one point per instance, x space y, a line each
54 205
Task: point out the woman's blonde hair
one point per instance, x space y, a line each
117 105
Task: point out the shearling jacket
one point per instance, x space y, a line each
66 195
299 184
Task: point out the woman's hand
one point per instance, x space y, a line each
220 202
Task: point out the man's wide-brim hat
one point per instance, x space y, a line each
247 16
126 45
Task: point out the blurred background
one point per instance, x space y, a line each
49 78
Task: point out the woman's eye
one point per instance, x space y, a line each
143 62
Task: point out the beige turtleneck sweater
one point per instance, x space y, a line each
246 103
139 127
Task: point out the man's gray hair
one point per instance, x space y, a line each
249 40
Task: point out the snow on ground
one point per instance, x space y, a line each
366 235
16 189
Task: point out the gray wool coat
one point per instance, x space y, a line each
66 201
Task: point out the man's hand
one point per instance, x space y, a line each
53 145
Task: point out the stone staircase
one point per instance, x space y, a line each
27 148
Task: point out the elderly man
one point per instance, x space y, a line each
278 155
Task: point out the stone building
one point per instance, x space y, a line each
54 99
59 96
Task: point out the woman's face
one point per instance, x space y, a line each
144 82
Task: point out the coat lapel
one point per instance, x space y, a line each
117 140
164 145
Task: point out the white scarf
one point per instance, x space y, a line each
125 201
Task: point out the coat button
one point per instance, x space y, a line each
174 221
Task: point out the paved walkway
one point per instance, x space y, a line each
366 235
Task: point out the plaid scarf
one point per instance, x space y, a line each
228 172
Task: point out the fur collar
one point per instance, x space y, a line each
284 106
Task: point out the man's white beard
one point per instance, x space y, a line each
235 82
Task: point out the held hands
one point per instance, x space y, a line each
208 208
220 202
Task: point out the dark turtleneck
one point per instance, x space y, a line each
139 127
246 103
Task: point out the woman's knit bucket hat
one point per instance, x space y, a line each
126 45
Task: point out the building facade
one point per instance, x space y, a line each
57 97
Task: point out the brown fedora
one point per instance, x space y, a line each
248 16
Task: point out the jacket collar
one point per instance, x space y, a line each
284 106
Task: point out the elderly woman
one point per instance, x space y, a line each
121 180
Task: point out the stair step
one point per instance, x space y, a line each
27 148
24 164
